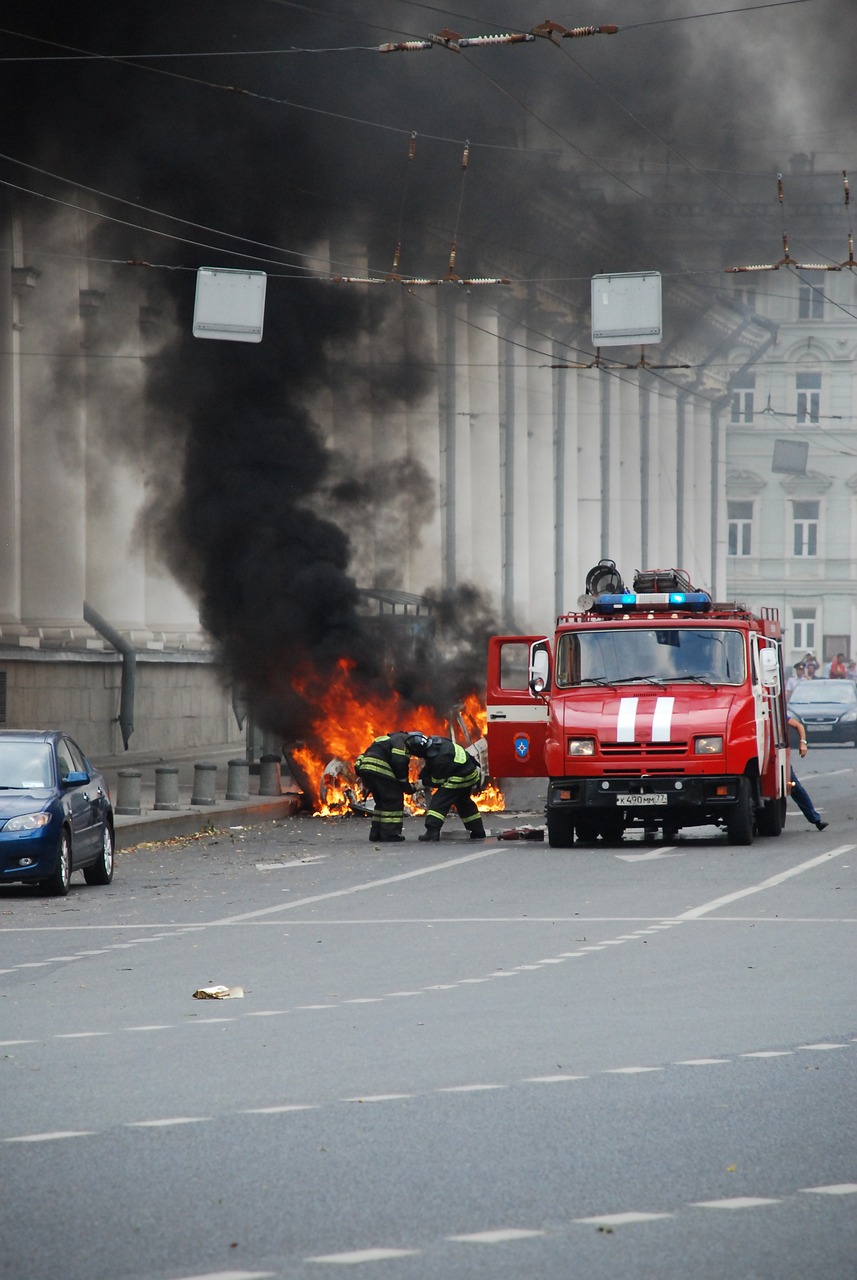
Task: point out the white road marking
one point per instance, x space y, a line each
552 1079
7 1044
364 1000
364 1255
50 1137
700 1062
651 855
272 1111
379 1097
768 1053
266 1013
630 1071
621 1219
770 883
79 1035
160 1124
500 1236
818 1047
835 1189
166 1026
735 1202
232 1275
468 1088
355 888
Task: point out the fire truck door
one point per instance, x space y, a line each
517 717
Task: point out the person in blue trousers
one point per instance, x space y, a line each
799 793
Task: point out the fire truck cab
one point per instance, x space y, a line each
650 708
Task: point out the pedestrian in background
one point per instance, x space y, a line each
799 793
454 774
838 669
383 769
798 674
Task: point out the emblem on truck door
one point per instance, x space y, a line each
522 746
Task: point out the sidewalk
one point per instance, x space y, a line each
188 819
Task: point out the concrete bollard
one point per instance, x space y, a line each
204 777
128 792
270 780
238 780
166 787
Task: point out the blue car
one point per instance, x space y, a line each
56 815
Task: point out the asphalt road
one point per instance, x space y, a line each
473 1059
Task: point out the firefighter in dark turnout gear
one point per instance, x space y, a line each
454 774
383 770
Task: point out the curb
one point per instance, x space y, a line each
155 826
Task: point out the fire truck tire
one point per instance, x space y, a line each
560 829
739 823
772 817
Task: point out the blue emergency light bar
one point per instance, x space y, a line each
630 601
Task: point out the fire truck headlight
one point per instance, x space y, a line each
581 746
711 746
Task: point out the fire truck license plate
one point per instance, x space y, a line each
654 797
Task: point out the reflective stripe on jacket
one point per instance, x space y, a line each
386 756
453 767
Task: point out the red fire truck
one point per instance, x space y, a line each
650 708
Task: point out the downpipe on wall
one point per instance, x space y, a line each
128 687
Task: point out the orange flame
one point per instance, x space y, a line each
348 717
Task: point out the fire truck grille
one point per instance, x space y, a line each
637 749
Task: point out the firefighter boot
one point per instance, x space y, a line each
374 832
431 834
477 831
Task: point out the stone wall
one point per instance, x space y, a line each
179 702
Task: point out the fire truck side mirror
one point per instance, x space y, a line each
539 669
770 665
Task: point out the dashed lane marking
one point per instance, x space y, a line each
232 1275
622 1219
835 1189
734 1202
379 1097
700 1062
819 1048
364 1255
768 1053
167 1120
552 1079
630 1071
272 1111
51 1137
501 1236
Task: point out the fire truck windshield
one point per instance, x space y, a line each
650 654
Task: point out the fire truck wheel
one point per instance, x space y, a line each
739 822
771 817
560 829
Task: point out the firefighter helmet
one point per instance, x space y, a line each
416 744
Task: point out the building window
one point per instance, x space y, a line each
808 396
739 528
810 302
803 629
742 398
805 528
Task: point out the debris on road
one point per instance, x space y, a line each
219 993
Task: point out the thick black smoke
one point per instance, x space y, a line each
614 140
